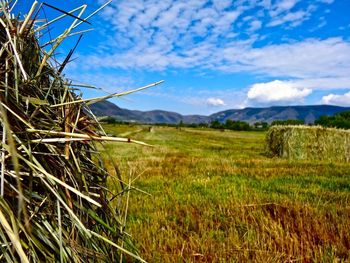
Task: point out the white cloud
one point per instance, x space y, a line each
255 25
307 59
335 99
282 6
311 58
137 24
286 4
277 91
295 18
326 83
222 4
179 34
215 102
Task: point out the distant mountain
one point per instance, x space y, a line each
251 115
306 113
106 108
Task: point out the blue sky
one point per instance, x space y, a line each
213 54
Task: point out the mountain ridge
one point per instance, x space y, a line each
307 113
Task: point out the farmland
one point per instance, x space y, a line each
214 196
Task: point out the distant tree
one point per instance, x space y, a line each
109 120
288 122
237 125
261 125
203 125
192 125
216 125
339 120
189 125
231 125
243 126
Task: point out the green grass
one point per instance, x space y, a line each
215 197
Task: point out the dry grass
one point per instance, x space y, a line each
309 143
54 204
215 197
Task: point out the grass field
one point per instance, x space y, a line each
215 197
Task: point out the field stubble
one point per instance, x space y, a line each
215 197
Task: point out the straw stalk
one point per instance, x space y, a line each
54 202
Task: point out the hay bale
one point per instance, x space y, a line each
54 204
309 143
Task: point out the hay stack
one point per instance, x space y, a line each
53 204
309 143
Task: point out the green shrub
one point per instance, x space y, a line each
339 120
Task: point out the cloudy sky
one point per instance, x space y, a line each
215 54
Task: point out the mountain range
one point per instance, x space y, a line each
251 115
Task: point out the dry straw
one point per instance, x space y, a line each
53 204
309 143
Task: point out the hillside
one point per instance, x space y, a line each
107 108
306 113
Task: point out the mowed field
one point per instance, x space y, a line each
215 197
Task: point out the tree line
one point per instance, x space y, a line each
339 120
